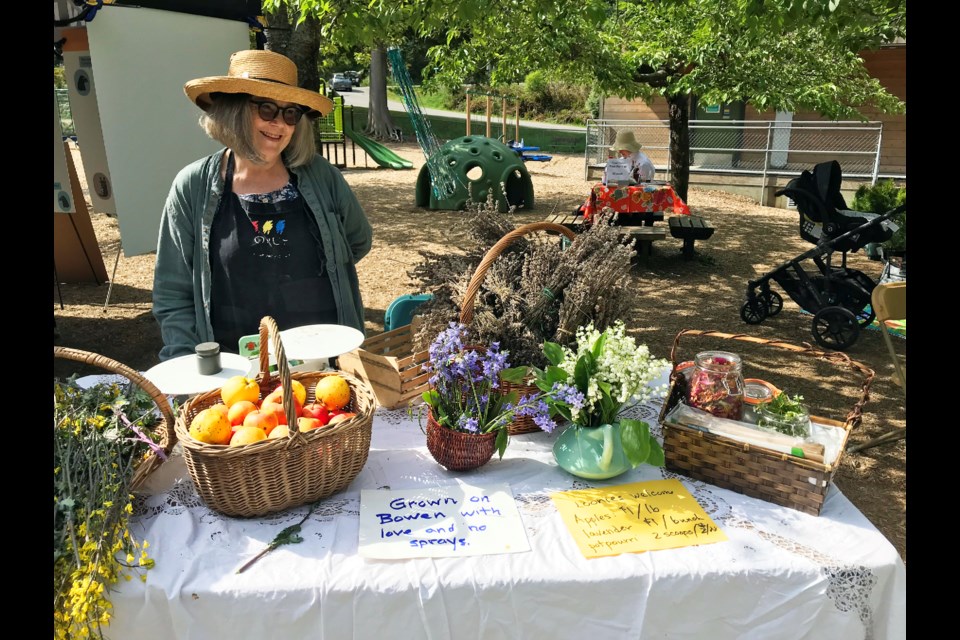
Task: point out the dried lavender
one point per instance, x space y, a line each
533 291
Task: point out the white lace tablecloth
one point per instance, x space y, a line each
781 574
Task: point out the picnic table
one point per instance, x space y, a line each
654 197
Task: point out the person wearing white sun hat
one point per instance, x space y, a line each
627 147
265 226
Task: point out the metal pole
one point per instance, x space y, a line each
876 162
516 128
489 104
503 120
56 279
113 276
468 114
766 157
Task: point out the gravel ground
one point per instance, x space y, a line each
671 294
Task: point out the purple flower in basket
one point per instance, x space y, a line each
466 393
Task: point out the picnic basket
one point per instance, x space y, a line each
276 474
523 424
164 434
779 478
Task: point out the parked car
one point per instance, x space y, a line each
354 77
340 82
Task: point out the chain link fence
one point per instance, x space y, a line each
748 147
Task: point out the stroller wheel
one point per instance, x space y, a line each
755 311
773 301
835 328
849 294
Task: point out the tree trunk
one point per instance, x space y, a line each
679 143
379 124
301 44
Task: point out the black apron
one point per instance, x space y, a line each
266 258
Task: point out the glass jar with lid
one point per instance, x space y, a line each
756 393
717 384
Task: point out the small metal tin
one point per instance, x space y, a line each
208 358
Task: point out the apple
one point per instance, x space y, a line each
306 424
299 393
238 411
337 417
282 431
239 388
266 420
277 409
316 410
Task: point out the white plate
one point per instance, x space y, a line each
179 376
315 341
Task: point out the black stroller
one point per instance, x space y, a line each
837 296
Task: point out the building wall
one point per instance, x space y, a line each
888 65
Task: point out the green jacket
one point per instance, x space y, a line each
182 279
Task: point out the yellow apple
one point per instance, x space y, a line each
239 388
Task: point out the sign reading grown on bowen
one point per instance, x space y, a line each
436 522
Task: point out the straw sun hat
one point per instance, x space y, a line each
265 74
626 140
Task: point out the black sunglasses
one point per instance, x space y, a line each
268 112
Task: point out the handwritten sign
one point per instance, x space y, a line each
618 171
437 522
632 518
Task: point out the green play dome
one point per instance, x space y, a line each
481 165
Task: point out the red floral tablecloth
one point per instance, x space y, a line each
641 198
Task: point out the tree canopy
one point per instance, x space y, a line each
786 55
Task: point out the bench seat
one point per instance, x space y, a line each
690 229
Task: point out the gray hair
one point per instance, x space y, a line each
228 122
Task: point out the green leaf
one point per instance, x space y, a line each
553 352
581 372
515 375
431 397
501 442
635 436
655 458
555 374
597 350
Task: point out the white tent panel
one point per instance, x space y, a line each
142 59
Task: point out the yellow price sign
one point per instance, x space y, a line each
633 518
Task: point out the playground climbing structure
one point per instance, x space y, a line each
445 182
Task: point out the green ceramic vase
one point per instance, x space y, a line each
594 453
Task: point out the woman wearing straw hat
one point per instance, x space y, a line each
626 146
266 226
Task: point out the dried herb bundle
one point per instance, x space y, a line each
534 291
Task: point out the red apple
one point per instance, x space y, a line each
336 417
263 419
316 410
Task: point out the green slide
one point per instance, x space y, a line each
380 154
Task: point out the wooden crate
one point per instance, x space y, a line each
779 478
388 364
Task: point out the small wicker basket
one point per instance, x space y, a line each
522 424
276 474
456 450
164 434
779 478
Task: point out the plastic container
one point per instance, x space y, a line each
756 393
717 384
